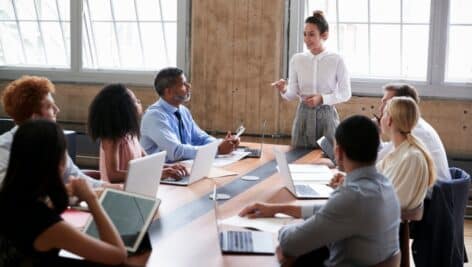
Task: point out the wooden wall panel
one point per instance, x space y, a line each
243 47
453 121
287 110
74 100
224 67
254 66
199 61
272 53
241 71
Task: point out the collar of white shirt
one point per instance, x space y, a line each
319 56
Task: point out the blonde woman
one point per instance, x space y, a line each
409 166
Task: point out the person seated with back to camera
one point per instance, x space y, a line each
409 166
422 130
359 224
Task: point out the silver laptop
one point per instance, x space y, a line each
201 165
144 174
130 213
257 152
302 190
243 242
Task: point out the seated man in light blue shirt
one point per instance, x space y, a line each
168 125
359 224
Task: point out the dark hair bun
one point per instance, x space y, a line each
318 13
319 20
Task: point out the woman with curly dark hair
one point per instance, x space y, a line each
114 117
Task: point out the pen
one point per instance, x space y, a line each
377 117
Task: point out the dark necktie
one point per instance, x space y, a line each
181 126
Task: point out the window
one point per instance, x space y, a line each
129 34
381 38
92 40
422 42
459 53
35 33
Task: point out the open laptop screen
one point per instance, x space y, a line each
130 213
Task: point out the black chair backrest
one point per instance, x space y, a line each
6 124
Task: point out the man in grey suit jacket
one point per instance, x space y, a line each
358 225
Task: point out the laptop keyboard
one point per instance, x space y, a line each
183 180
305 190
236 241
255 152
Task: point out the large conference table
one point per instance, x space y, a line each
184 231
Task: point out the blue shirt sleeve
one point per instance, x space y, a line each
73 170
158 128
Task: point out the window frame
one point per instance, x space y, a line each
76 72
435 85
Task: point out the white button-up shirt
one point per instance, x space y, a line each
324 74
407 168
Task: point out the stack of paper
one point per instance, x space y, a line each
218 172
271 225
310 173
223 160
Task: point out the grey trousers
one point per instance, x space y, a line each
310 124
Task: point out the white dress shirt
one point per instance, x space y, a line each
324 74
407 168
430 138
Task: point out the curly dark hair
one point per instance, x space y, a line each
22 97
113 114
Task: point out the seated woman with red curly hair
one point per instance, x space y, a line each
30 98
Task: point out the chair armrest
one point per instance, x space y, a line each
92 173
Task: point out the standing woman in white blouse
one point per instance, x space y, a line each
318 79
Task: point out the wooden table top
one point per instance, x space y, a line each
184 231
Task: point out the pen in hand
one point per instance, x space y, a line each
377 118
